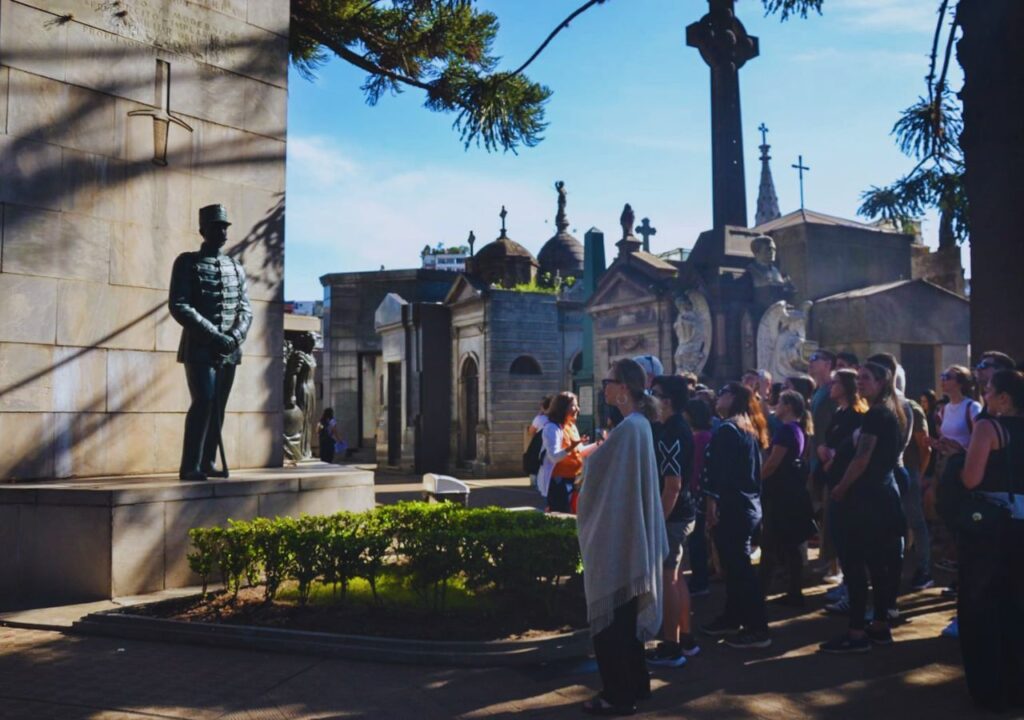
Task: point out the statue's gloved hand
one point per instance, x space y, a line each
225 343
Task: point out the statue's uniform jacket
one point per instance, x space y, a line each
209 295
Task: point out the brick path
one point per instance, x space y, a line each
51 675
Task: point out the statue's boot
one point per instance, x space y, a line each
194 476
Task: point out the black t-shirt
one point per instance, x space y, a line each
880 422
844 422
673 445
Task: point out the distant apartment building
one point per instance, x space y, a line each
451 259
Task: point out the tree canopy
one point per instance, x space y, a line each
445 49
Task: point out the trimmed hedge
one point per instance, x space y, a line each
431 545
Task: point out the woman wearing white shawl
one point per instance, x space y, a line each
624 544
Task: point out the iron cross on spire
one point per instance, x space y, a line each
764 133
645 229
800 167
162 116
503 215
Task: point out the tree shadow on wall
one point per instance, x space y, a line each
262 247
54 170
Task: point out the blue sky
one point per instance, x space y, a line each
629 121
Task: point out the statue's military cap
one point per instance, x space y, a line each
213 214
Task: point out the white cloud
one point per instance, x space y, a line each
861 57
380 212
904 16
321 161
353 216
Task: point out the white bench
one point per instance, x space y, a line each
444 488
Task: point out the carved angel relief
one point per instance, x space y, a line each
782 344
693 332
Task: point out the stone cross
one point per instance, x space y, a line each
725 46
162 116
646 230
800 167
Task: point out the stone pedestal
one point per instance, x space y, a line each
71 542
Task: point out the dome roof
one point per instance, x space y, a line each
562 254
504 248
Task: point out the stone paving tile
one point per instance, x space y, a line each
50 675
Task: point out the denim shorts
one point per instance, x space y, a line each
677 534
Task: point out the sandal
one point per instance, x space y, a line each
597 705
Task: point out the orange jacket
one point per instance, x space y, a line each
572 464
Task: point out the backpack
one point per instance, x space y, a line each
533 458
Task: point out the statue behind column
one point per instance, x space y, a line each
300 397
210 300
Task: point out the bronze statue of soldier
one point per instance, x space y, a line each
209 299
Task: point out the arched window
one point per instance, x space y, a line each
577 364
525 365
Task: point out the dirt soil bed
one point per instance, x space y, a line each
488 617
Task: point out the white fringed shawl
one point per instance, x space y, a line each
622 528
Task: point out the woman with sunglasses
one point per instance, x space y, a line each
733 512
990 604
624 545
960 412
870 514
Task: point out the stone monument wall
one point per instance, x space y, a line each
89 383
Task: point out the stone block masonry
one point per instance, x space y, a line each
81 541
90 224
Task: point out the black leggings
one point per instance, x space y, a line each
620 659
777 551
990 612
870 549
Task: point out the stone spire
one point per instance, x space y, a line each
767 200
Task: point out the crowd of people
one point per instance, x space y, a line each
840 459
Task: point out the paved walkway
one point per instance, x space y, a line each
47 674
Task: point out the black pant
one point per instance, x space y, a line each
199 450
990 612
620 658
698 547
775 551
869 548
560 494
744 601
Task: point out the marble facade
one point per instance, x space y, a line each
91 224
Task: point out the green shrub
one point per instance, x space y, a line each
271 553
304 539
431 546
205 551
236 558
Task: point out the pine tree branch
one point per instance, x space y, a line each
935 50
562 26
940 86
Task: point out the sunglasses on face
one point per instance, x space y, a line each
608 381
985 365
724 391
949 376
